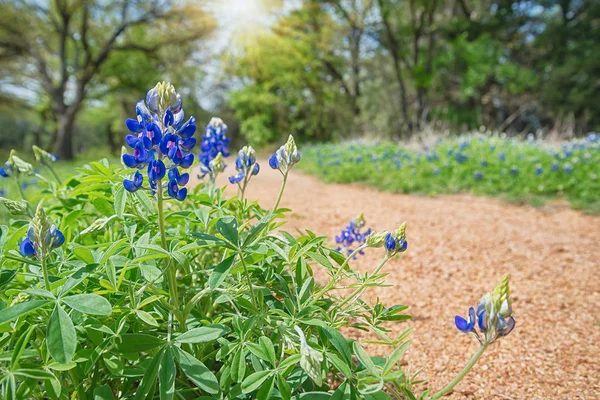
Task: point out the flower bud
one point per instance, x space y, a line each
43 157
14 207
376 239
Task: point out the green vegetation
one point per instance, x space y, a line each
528 171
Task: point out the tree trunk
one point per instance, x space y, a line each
63 146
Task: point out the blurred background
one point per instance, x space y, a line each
72 70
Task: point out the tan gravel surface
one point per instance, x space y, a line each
459 247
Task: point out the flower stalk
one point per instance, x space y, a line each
448 388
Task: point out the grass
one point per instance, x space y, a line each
531 172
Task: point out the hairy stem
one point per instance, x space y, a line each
358 291
45 272
462 373
171 273
280 192
249 280
335 278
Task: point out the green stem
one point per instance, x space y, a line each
280 192
55 174
249 280
462 373
171 273
20 189
361 288
335 277
45 271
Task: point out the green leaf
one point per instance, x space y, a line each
103 393
103 206
219 274
203 334
149 378
20 346
146 317
339 342
205 239
269 349
88 303
8 314
395 357
84 254
197 372
228 227
264 393
364 358
166 376
120 196
77 277
253 381
136 342
284 388
61 338
257 229
340 364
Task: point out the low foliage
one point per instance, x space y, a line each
126 293
519 170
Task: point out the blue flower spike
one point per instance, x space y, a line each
213 168
160 141
246 167
42 237
352 235
285 157
493 315
214 142
395 242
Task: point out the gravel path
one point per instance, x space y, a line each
459 247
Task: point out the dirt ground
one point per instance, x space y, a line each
459 247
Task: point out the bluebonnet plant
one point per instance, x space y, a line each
246 167
538 169
352 235
478 175
161 140
214 142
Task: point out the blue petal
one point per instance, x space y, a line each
130 186
187 161
390 242
131 141
169 118
138 179
133 125
273 163
3 172
461 324
482 322
26 248
59 239
129 160
188 128
183 179
256 169
181 194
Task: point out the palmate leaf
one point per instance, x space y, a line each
228 227
253 381
203 334
61 337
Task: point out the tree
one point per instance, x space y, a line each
62 46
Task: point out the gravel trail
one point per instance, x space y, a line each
459 247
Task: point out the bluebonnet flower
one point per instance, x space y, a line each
484 163
395 242
493 315
352 234
554 167
568 168
214 142
502 156
461 158
214 168
538 169
41 237
478 175
43 157
161 140
285 157
246 167
514 170
15 167
436 171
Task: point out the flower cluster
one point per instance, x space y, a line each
214 142
493 315
395 242
15 167
161 140
352 234
246 166
213 168
285 157
43 157
41 236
